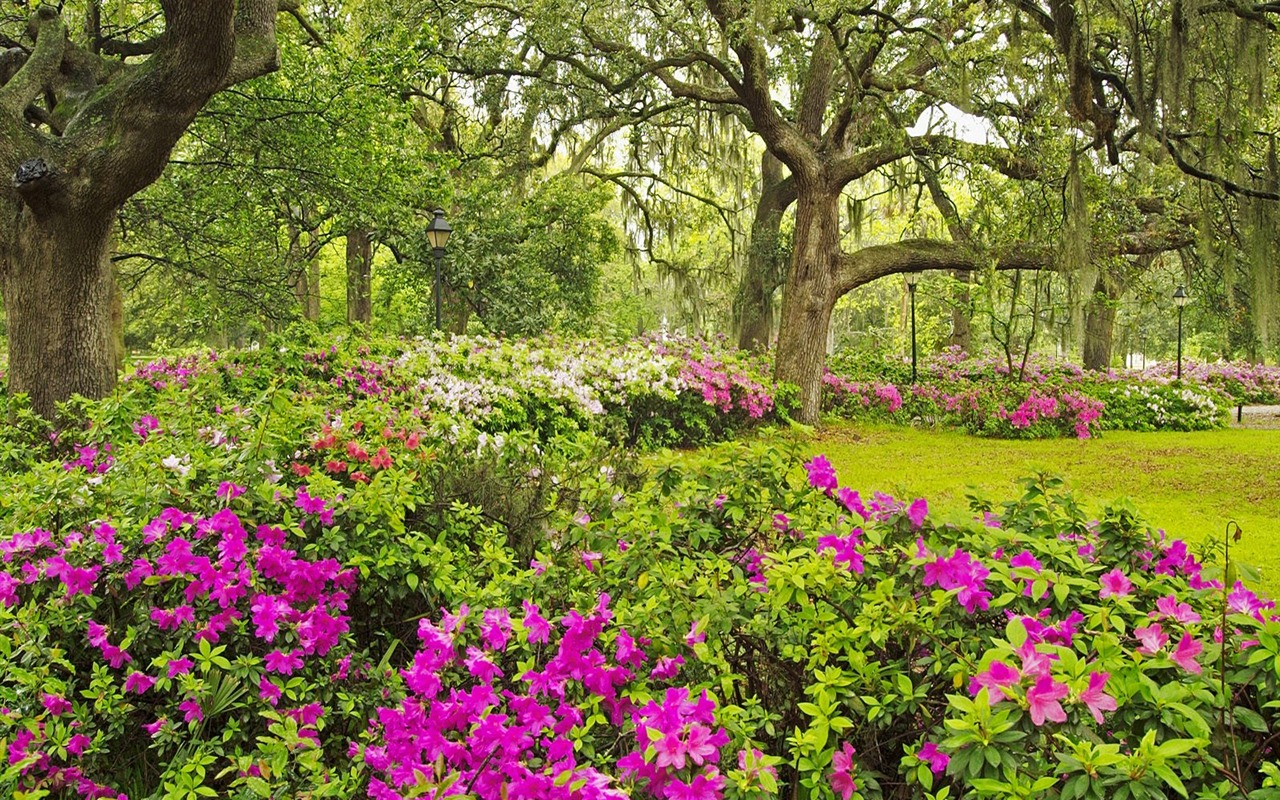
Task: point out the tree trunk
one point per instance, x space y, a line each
306 289
753 305
58 300
809 297
359 276
312 311
1099 324
117 321
962 312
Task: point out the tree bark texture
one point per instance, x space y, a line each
962 312
1100 323
766 265
809 297
359 276
57 293
80 133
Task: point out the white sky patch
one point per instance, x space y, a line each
949 120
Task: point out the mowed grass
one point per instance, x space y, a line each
1189 484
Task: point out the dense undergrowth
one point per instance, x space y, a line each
1043 398
440 570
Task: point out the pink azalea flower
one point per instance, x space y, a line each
229 491
138 682
1095 699
667 668
842 772
852 501
1169 606
589 560
1114 584
995 678
1153 638
1185 654
179 666
845 549
917 512
77 744
152 728
268 691
696 634
284 663
55 704
935 758
1043 700
191 710
496 628
670 751
538 629
821 474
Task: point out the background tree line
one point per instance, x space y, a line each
742 167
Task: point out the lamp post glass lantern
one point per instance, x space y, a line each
912 278
1180 299
438 232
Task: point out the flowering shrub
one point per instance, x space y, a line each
507 715
117 639
230 582
1243 384
1054 398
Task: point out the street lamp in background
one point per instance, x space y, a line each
912 278
1180 300
438 235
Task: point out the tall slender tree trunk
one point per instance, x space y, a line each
809 296
359 276
1100 323
753 305
306 289
962 312
58 288
312 310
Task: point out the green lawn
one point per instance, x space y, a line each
1190 484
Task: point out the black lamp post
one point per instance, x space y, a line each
912 278
438 235
1180 300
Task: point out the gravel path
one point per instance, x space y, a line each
1257 417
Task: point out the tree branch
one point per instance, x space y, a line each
40 68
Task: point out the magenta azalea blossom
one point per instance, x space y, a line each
845 549
138 682
917 512
1043 700
1152 637
1114 584
496 628
55 704
191 710
1169 606
538 629
821 474
853 501
842 772
1094 698
179 666
995 678
935 758
1185 654
268 691
284 663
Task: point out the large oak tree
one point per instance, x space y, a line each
83 127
